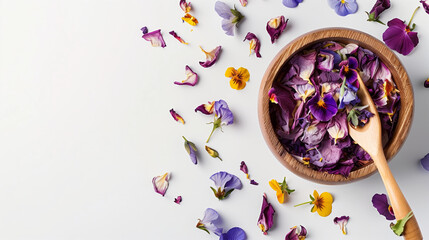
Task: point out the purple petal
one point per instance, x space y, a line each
425 162
222 111
178 200
228 26
257 44
291 3
160 183
223 10
353 63
323 109
243 167
275 27
253 182
425 6
426 84
314 134
192 154
191 77
155 38
265 221
235 233
379 201
211 57
379 7
211 221
233 183
144 30
296 234
220 179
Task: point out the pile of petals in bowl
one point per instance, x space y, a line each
313 102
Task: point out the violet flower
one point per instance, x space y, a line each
225 183
275 26
191 149
155 38
292 3
265 221
379 201
425 162
425 6
343 7
348 71
160 183
297 233
235 233
223 116
323 108
210 222
211 57
377 9
400 37
231 17
191 77
255 44
342 222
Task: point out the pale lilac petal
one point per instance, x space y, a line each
223 10
211 57
291 3
220 179
160 183
228 26
212 221
155 38
222 111
233 183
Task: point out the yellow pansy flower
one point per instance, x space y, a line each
239 77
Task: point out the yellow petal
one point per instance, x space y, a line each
244 74
280 197
275 185
230 72
190 19
237 84
326 208
315 194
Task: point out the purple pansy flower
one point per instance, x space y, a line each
231 17
211 57
400 37
178 200
342 222
234 233
191 149
349 98
275 26
323 108
348 71
155 38
297 233
292 3
160 183
265 221
210 222
255 44
425 6
379 201
223 116
225 183
191 77
377 9
343 7
425 162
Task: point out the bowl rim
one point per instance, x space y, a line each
346 35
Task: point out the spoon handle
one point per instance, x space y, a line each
399 203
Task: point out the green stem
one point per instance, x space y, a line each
409 23
214 128
303 203
220 158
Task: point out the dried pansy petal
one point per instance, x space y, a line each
191 77
426 84
211 57
186 7
297 233
155 38
425 162
160 183
266 220
174 34
275 26
206 109
190 19
243 3
176 116
425 6
255 44
342 222
191 149
178 200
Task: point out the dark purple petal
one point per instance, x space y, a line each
296 234
379 7
292 3
353 63
275 27
206 109
425 162
323 109
265 221
155 38
235 233
379 201
398 37
425 6
253 182
256 43
243 167
178 200
426 84
144 30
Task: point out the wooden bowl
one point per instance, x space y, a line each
343 35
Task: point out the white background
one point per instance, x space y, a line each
85 122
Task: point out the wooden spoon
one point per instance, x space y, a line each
369 138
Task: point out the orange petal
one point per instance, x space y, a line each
237 84
230 72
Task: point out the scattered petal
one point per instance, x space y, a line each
211 57
191 149
225 183
379 201
210 222
426 84
178 200
275 26
213 153
297 233
281 189
206 109
243 168
155 38
425 6
425 162
255 44
292 3
243 3
186 7
191 77
223 116
176 116
239 77
144 30
342 222
265 221
235 233
174 34
160 183
253 182
190 19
